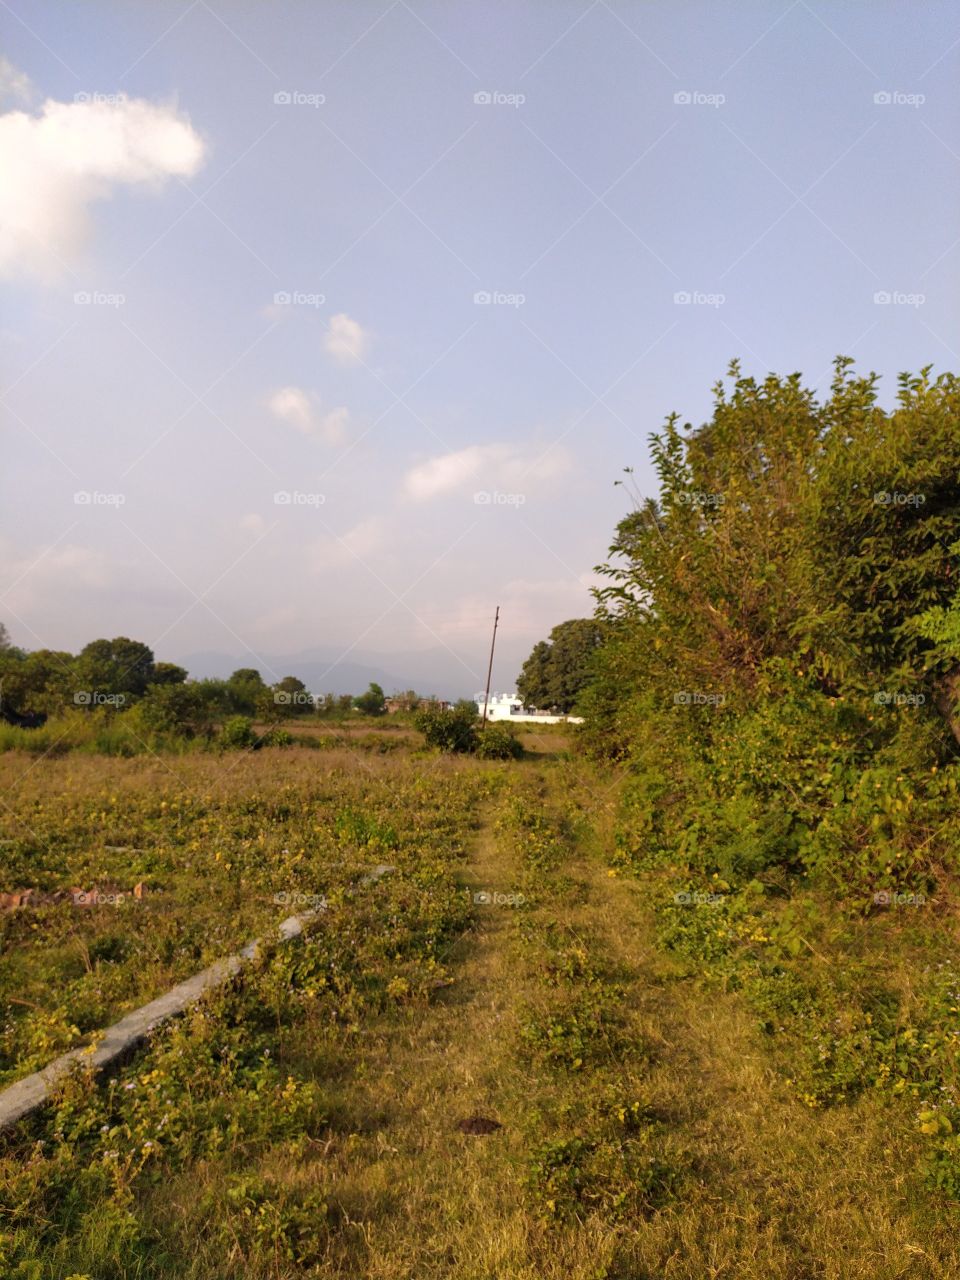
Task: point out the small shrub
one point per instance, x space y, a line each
277 737
237 733
498 742
449 730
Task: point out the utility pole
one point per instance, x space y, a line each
493 641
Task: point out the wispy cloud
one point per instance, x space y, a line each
300 409
483 465
346 340
56 164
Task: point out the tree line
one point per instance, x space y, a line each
119 674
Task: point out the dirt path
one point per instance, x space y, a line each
764 1189
432 1200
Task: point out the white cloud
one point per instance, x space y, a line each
485 466
56 164
346 340
300 409
15 85
292 404
348 548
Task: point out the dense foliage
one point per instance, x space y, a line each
458 729
558 669
780 675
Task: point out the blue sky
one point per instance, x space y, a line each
781 164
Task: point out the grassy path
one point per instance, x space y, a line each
643 1130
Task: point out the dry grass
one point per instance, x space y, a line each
767 1189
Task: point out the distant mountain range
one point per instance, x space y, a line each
436 670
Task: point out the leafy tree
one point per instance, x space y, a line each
246 690
168 673
534 684
291 697
35 685
191 709
371 703
118 666
767 615
556 672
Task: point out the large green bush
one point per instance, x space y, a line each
498 742
449 728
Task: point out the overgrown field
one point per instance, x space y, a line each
516 1055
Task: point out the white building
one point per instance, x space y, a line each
508 706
